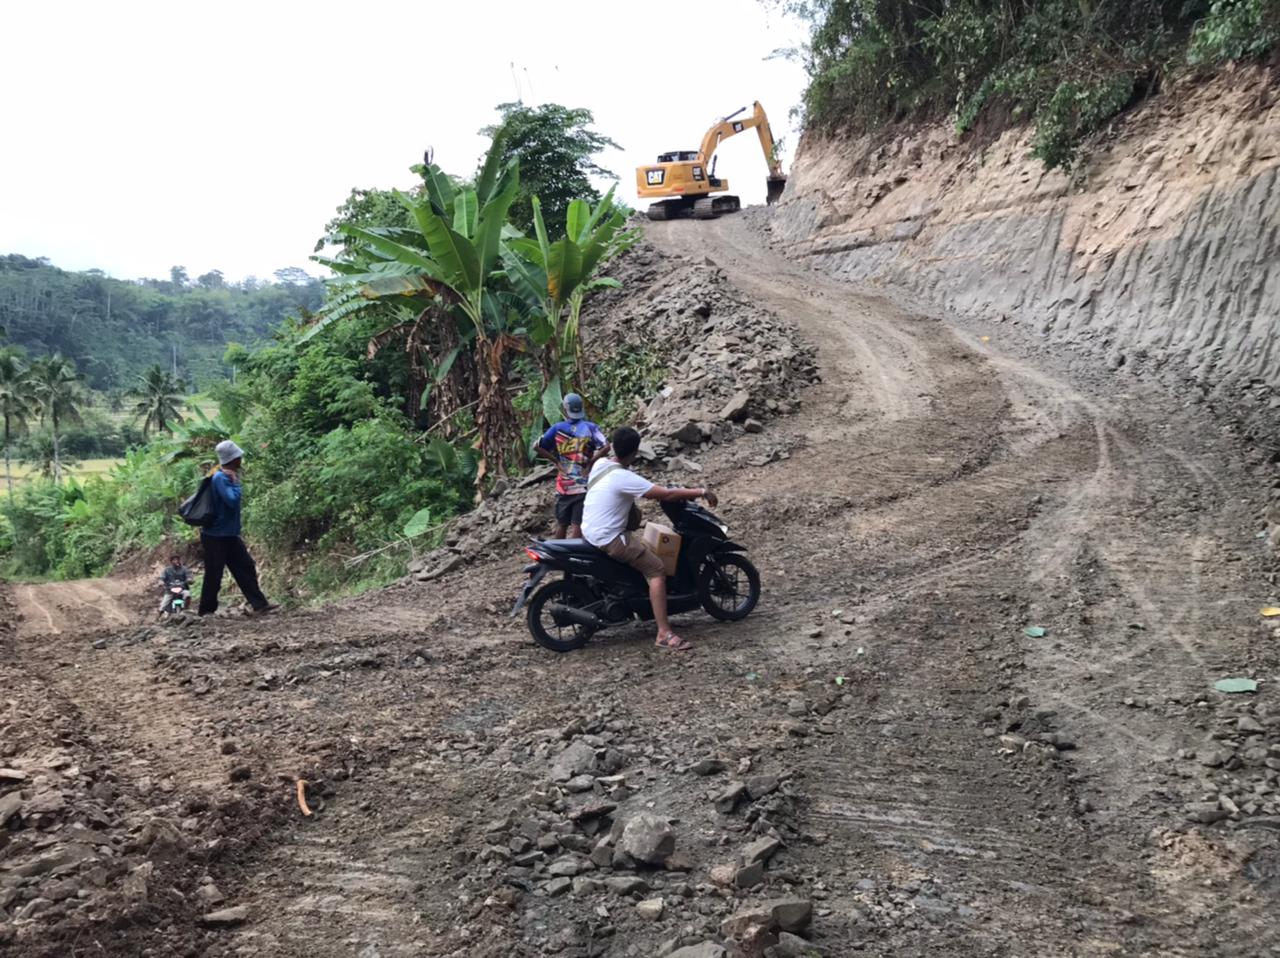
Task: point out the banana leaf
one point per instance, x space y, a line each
454 255
440 191
493 218
466 210
540 228
396 251
552 397
576 219
486 182
564 270
526 278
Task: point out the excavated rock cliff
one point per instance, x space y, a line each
1162 250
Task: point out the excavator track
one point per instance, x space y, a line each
709 207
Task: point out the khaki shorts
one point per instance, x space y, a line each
637 555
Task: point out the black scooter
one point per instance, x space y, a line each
597 592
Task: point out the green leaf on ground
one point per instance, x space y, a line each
1236 685
1034 631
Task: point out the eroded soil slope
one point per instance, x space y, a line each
881 741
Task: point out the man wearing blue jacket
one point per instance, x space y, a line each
223 547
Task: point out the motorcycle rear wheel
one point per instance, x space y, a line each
543 627
728 587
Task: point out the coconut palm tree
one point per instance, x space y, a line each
37 451
17 402
159 395
58 389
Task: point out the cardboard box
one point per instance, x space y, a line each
665 542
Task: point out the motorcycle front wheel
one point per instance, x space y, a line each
543 626
728 587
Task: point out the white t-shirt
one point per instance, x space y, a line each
611 492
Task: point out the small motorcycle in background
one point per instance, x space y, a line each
176 602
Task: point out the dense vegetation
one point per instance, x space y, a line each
113 330
556 147
446 338
1067 65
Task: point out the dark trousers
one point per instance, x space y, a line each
228 553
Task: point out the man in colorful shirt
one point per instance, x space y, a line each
573 444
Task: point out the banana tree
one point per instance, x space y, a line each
554 279
447 271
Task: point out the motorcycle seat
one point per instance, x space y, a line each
573 546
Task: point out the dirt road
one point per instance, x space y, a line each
58 608
940 781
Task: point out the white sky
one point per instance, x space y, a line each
140 135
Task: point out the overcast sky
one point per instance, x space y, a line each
140 135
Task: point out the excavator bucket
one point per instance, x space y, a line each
776 185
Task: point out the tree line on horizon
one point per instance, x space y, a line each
113 330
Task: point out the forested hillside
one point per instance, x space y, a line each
1069 66
115 329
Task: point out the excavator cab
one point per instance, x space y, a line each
683 181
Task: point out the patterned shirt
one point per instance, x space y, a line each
572 442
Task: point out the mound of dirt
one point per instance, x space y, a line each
733 363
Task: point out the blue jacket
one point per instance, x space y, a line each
228 495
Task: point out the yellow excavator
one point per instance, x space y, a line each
687 182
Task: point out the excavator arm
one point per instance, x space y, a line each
685 183
730 126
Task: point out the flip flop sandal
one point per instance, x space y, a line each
673 642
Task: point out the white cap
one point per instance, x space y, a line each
227 452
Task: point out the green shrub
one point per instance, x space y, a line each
1067 65
78 529
1235 29
626 376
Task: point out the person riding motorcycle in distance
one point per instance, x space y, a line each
573 444
612 490
175 575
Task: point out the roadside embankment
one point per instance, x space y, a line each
1158 256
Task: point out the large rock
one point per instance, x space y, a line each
650 909
737 406
9 805
745 921
791 914
578 758
761 850
728 799
691 433
445 567
226 918
648 838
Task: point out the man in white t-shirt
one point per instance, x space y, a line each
612 489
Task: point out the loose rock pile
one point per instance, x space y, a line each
1235 771
733 367
622 849
733 364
